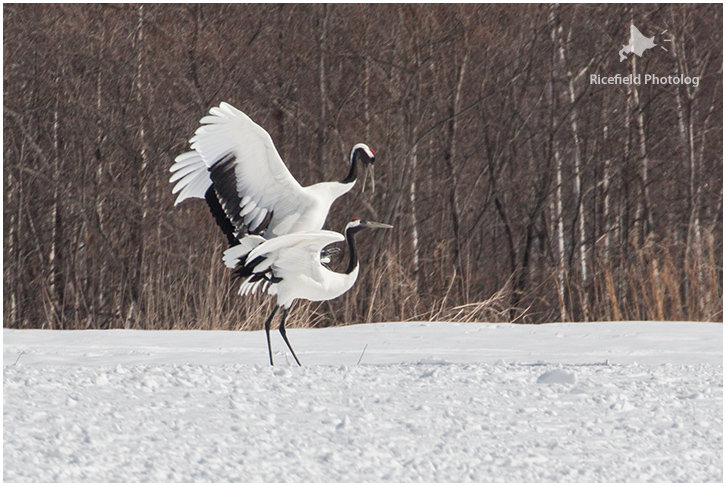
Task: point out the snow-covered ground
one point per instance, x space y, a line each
627 401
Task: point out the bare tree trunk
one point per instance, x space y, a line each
94 274
685 100
556 206
322 123
449 157
366 91
141 89
579 196
13 269
414 167
642 213
414 215
607 200
140 190
557 216
55 260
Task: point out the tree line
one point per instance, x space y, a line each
519 189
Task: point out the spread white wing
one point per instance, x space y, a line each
251 182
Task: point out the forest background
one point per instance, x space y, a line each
519 190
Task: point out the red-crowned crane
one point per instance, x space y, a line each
291 267
234 166
263 210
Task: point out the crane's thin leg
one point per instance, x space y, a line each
267 331
284 334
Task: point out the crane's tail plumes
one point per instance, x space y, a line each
255 272
238 253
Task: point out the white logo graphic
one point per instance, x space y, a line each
637 44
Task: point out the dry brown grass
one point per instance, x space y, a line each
659 281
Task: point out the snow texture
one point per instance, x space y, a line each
600 402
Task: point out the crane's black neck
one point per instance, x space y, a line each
353 172
353 255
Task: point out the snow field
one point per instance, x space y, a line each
431 419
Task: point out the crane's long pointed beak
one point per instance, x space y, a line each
365 179
373 180
373 224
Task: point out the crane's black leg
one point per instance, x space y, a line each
267 331
284 334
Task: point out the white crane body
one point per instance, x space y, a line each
295 260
